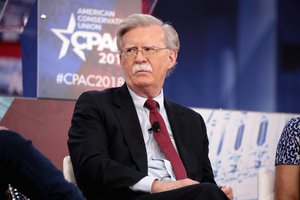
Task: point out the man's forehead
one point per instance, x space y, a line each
154 29
140 36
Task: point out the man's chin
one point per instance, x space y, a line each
143 82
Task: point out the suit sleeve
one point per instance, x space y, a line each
207 169
90 151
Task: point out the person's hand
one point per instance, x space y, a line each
160 186
228 191
3 128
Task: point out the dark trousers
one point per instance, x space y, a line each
203 191
30 172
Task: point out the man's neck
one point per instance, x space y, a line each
146 92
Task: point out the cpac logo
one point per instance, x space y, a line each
83 40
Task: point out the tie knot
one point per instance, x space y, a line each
151 104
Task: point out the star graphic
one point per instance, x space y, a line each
60 33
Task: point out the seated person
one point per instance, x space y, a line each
132 141
287 161
31 173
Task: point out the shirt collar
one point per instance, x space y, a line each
140 101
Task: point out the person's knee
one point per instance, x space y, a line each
209 191
208 186
213 190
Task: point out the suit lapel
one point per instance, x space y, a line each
175 118
131 128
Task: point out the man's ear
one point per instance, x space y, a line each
172 58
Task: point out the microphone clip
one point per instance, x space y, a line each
155 127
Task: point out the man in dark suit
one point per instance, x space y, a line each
113 145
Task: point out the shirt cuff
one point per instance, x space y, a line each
143 185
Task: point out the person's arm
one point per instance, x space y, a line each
161 186
93 143
287 182
22 163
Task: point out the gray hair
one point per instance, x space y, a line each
144 20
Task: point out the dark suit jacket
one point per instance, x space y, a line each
107 147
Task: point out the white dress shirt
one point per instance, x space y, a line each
159 168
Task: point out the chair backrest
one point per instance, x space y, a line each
68 170
266 184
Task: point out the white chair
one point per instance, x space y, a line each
266 184
68 170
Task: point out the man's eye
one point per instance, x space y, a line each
131 50
149 49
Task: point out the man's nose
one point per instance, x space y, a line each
140 55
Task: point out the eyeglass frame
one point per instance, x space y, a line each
143 51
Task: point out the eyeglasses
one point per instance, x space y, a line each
146 51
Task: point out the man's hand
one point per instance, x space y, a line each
160 186
228 191
3 128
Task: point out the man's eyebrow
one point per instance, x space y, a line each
149 45
129 46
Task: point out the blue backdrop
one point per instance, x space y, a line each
236 54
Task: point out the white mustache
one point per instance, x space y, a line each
141 68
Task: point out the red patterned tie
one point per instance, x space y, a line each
163 140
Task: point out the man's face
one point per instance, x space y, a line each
145 59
